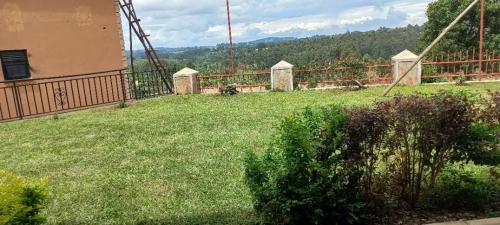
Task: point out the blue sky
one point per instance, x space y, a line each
179 23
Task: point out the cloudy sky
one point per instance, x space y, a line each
179 23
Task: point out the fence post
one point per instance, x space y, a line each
124 91
186 81
19 111
402 62
282 76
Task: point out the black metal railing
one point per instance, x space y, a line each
40 96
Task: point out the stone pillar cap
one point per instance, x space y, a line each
405 55
186 72
282 65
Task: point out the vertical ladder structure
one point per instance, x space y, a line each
129 12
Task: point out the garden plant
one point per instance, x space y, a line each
356 165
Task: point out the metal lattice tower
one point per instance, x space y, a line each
129 12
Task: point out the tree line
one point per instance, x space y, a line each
376 46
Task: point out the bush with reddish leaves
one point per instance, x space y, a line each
353 165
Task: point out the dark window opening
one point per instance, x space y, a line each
15 64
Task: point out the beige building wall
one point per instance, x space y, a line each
63 37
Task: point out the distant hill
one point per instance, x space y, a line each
165 50
378 45
268 40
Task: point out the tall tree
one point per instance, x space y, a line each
464 35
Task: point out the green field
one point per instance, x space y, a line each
170 160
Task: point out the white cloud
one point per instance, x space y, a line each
203 22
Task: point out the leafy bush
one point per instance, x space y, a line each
427 80
457 189
312 83
122 104
424 135
229 90
484 142
490 109
21 201
305 177
364 133
346 165
484 135
462 79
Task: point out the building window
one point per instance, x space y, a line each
15 64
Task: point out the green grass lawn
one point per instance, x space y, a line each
170 160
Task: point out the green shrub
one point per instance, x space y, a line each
122 104
427 80
483 143
457 189
346 166
277 90
312 83
305 176
462 79
484 135
229 90
490 109
21 201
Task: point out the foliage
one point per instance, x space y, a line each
462 79
306 177
229 90
349 71
432 70
277 90
490 109
427 80
484 135
312 83
424 134
143 64
103 162
213 82
122 104
394 152
484 140
413 137
21 201
318 50
465 35
459 189
364 135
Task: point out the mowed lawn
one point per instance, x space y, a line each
170 160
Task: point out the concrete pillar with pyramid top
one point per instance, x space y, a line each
186 81
282 76
402 62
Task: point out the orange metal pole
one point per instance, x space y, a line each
230 38
481 41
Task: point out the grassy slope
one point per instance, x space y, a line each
171 160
